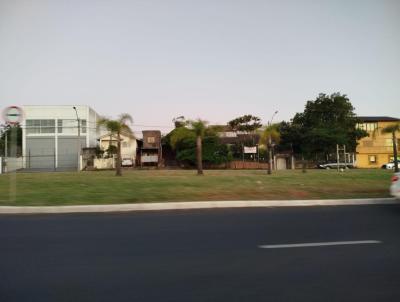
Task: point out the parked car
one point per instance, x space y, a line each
395 187
388 166
127 162
328 166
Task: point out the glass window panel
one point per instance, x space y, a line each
83 126
47 126
32 126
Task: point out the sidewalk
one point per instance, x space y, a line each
191 205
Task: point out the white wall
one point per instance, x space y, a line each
63 112
11 164
126 152
104 163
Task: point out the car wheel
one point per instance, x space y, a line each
328 168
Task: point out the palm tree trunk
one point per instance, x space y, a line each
118 170
396 161
199 155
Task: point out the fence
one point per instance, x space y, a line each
11 164
247 165
104 163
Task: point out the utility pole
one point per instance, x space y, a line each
270 144
6 145
78 144
337 157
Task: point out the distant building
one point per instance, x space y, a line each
50 136
376 149
151 150
128 144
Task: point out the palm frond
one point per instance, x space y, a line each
198 126
125 118
391 128
125 129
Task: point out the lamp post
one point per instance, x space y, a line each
78 143
270 144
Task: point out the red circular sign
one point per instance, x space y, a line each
13 115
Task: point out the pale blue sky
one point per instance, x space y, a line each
211 59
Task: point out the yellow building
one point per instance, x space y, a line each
376 149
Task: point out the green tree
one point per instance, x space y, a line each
273 131
270 137
180 121
325 122
10 132
199 128
117 127
184 141
393 129
246 123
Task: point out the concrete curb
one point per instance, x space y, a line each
191 205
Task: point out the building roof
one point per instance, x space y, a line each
378 119
114 136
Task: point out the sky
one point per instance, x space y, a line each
208 59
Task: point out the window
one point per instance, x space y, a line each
151 140
83 126
370 127
40 126
47 126
70 126
372 159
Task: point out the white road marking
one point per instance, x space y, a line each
315 244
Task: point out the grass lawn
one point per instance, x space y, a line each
165 185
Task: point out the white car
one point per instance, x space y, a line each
395 187
389 166
127 162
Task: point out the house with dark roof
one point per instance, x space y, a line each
376 149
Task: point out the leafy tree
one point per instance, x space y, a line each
273 131
179 136
99 152
184 141
393 129
117 127
325 122
10 131
212 151
199 127
246 123
270 137
180 121
112 150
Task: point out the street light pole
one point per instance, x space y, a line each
78 144
270 144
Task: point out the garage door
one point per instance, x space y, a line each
67 152
40 153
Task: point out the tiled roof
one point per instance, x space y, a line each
378 119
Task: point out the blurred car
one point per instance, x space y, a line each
127 162
395 187
388 166
328 166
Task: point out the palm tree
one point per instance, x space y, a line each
393 129
270 136
199 127
117 127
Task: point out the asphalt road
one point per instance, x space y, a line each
202 255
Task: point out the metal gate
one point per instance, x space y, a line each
40 153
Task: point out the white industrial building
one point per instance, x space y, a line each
50 135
